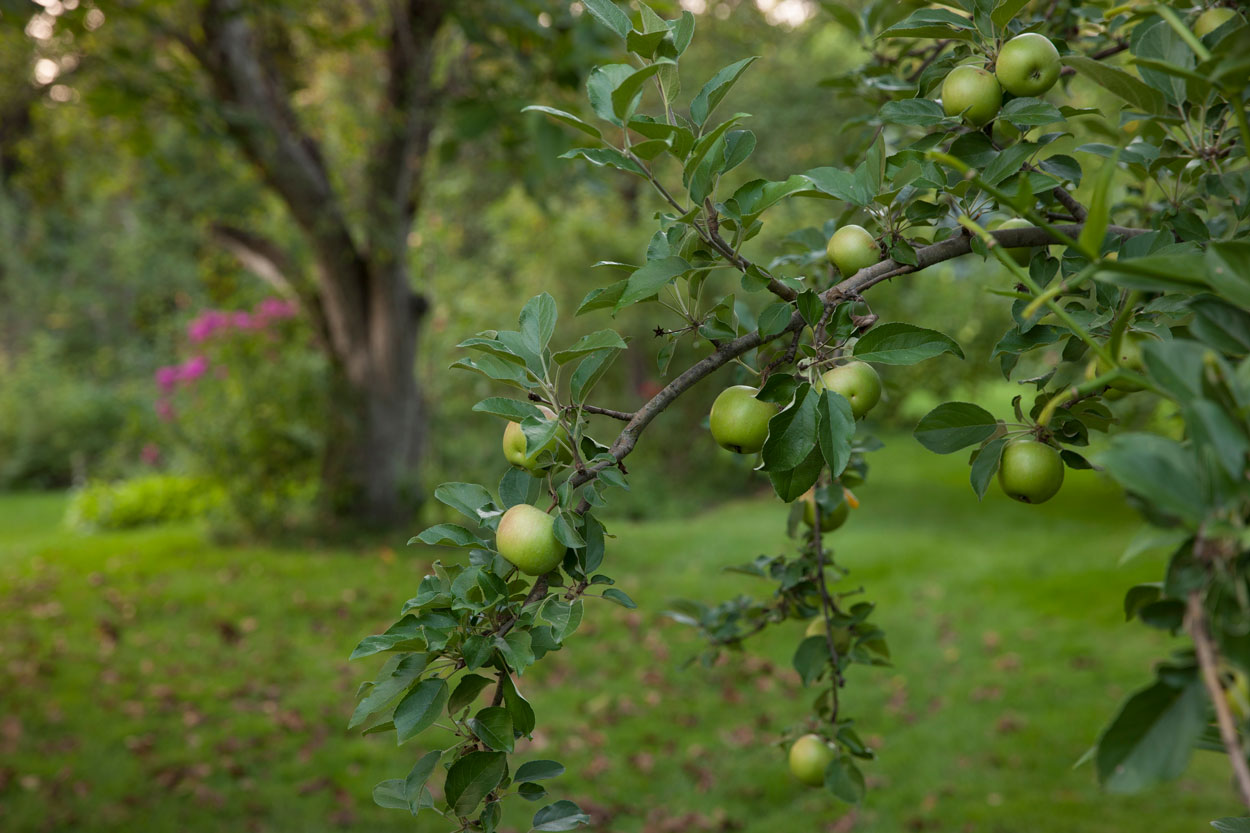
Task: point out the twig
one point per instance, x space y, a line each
1069 202
1208 661
1119 47
624 416
937 50
538 591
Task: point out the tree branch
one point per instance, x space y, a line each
1208 661
1116 49
260 256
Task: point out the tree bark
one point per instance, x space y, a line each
362 294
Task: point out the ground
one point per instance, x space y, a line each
152 680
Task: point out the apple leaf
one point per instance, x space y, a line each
714 91
414 784
985 465
844 780
791 433
834 430
493 727
471 778
955 425
563 815
420 708
790 485
1152 736
898 343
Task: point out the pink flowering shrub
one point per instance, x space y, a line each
246 403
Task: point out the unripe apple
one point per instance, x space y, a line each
1129 358
858 382
829 521
1020 254
739 421
852 248
526 537
1030 471
973 93
514 445
809 756
1212 19
1028 65
841 636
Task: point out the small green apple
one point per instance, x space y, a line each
1021 254
829 521
1212 19
739 421
526 537
809 757
514 444
1028 65
973 93
852 248
1030 471
858 382
841 636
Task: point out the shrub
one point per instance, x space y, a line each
139 501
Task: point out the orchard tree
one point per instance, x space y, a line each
1124 252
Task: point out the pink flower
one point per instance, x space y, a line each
151 454
193 368
208 323
275 309
241 320
165 410
166 378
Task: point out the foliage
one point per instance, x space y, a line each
249 406
929 186
140 501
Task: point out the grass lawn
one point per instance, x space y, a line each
151 681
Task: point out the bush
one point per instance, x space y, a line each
247 407
150 499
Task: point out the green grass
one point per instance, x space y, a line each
153 681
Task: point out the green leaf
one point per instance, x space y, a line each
898 343
1221 325
1160 470
1126 86
610 15
538 771
538 322
985 466
1095 228
840 184
449 535
714 91
1005 12
510 409
391 794
590 371
603 297
625 96
1030 112
1228 271
775 318
791 433
844 780
466 498
516 650
955 425
563 815
790 485
403 670
620 597
651 278
467 690
610 157
1152 736
811 658
420 708
932 23
834 430
414 784
471 778
493 726
1232 825
810 307
566 118
600 340
1140 595
920 112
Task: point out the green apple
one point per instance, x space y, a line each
526 537
858 382
1212 19
514 446
1021 254
841 636
739 421
973 93
852 248
1028 65
809 756
1030 471
829 521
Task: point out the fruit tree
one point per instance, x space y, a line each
1096 152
